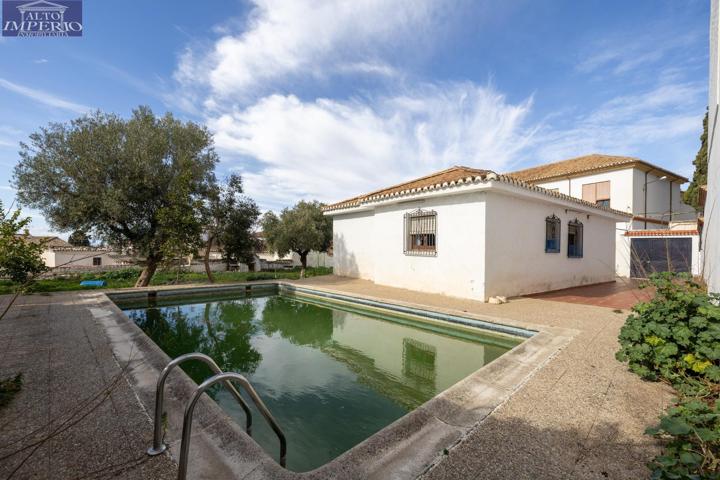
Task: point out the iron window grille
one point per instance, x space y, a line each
420 233
575 239
552 234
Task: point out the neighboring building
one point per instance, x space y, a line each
60 254
266 259
472 233
711 217
650 193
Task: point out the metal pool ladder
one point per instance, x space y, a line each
159 447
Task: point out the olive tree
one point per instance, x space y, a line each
299 229
20 259
231 218
139 183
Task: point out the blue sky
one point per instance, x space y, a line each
325 100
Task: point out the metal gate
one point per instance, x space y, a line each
650 255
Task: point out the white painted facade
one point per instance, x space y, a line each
490 242
711 230
79 258
662 205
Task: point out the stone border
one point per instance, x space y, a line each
404 449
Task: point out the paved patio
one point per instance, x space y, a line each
76 415
581 416
620 294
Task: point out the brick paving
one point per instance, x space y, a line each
621 294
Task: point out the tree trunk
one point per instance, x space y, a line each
148 272
303 262
207 259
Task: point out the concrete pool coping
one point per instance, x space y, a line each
404 449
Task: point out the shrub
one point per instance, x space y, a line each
692 431
676 335
122 274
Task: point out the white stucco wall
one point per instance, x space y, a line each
515 257
488 244
369 245
711 231
70 259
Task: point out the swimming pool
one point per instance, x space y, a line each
332 373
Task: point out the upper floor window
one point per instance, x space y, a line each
575 239
597 193
552 234
421 232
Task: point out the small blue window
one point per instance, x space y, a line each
552 234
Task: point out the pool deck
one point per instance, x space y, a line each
579 414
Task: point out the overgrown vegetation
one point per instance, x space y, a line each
675 338
126 278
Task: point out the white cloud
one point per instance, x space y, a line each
287 37
627 124
40 61
329 149
43 97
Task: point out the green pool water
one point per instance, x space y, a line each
331 375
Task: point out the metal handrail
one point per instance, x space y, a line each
187 419
158 446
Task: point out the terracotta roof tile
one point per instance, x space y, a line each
586 164
454 177
661 233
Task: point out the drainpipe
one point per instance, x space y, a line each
645 202
670 219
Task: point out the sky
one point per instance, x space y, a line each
325 100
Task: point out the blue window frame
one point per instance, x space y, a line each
575 239
552 234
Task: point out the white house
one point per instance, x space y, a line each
472 233
60 254
650 193
711 230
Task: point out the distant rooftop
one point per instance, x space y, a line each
587 164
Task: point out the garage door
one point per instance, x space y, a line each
650 255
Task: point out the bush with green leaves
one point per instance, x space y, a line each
692 432
20 259
676 335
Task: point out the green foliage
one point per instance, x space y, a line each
232 217
692 432
9 387
20 259
300 229
139 182
78 238
691 195
126 278
676 335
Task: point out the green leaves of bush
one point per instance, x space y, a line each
692 429
674 335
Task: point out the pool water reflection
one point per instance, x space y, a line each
330 376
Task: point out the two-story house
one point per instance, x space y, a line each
650 193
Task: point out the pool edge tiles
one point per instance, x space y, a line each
416 312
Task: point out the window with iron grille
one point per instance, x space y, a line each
552 234
421 233
575 239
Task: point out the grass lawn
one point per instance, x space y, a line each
126 278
